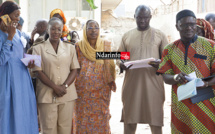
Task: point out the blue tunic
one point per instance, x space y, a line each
18 112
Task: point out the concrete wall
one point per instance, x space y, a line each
117 26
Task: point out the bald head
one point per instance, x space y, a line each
211 19
210 16
41 25
143 8
142 16
42 22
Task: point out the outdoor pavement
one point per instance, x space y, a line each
116 109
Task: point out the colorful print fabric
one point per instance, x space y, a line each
188 118
91 112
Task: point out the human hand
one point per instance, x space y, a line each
204 86
31 64
11 29
155 63
60 90
112 84
180 78
33 33
123 67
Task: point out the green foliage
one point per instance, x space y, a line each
91 3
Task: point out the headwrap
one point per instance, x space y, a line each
60 12
21 21
207 27
90 53
8 7
184 13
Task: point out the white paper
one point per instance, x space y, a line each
192 76
139 63
187 90
27 58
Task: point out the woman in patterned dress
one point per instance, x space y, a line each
94 83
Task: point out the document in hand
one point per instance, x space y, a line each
139 63
188 90
192 76
202 93
27 58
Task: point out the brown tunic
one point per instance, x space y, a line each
142 90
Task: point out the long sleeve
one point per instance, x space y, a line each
5 52
121 49
74 62
163 44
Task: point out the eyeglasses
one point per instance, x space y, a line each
91 28
192 25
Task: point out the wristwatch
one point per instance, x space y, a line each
66 85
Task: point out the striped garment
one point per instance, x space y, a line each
199 56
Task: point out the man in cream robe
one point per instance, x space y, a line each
142 90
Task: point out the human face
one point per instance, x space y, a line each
200 32
92 30
212 22
58 16
14 16
142 18
187 28
55 30
40 28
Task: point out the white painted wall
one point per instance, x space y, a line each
35 11
32 10
97 12
24 13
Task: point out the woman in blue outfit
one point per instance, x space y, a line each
18 113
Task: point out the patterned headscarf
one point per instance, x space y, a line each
206 26
90 53
60 12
